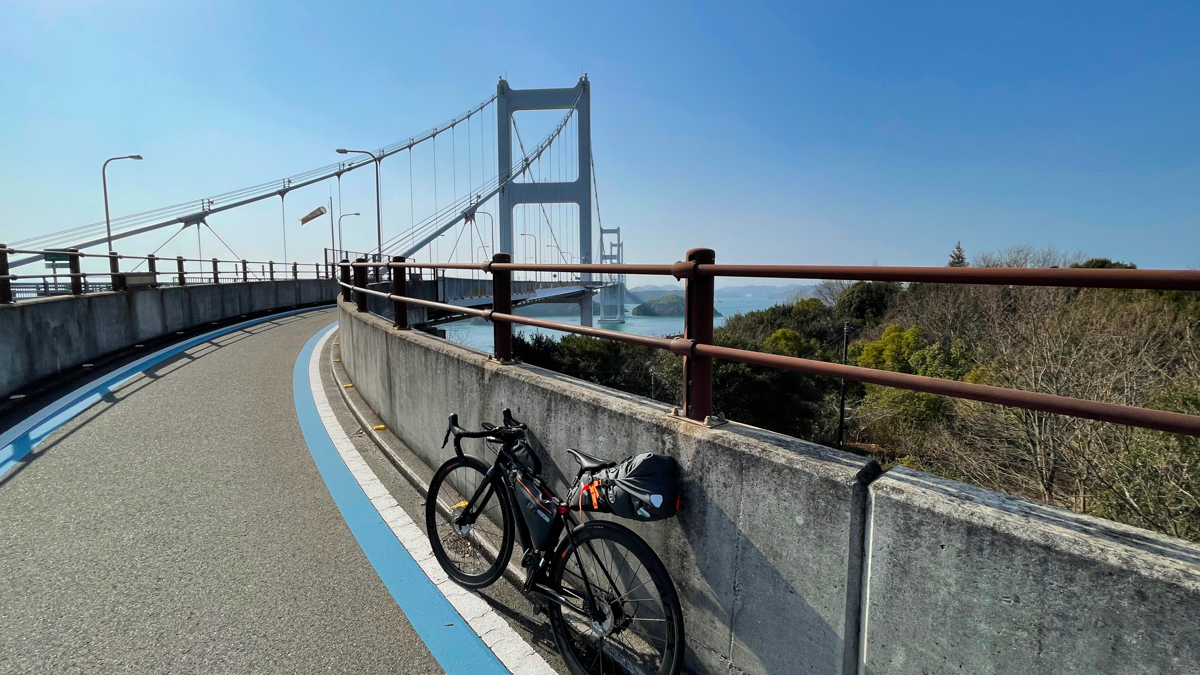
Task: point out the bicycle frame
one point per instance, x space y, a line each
504 463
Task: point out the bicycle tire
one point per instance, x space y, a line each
475 539
652 630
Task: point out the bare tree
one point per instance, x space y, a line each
829 290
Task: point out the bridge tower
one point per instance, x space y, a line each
578 191
612 292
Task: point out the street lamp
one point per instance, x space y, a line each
378 213
535 251
491 228
340 227
104 180
561 253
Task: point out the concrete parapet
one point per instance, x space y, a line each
41 337
965 580
794 558
766 543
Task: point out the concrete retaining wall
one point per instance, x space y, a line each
767 518
965 580
768 554
41 337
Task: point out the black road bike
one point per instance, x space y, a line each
611 604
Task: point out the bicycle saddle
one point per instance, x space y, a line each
588 462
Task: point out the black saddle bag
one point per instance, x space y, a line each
643 487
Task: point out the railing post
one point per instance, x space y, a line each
360 282
271 268
502 303
216 272
698 326
245 272
114 268
6 295
400 287
182 272
76 274
295 270
152 267
344 269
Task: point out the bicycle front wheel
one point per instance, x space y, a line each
626 616
472 540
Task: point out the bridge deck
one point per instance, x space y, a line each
180 525
553 294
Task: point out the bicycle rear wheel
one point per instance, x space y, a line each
635 623
473 552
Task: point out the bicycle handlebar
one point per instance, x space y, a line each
506 432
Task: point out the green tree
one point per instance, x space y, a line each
958 257
1103 264
899 416
865 303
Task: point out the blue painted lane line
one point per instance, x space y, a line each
21 439
447 635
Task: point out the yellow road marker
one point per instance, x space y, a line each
379 427
347 386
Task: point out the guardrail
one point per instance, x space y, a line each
699 270
14 287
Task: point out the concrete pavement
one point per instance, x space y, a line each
180 525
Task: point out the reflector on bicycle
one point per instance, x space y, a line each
643 487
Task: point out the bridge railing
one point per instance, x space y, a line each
699 271
148 271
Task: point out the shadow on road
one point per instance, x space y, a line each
140 381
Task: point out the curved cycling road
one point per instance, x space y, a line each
181 525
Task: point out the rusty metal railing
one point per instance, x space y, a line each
209 271
699 270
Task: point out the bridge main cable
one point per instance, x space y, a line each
431 229
195 211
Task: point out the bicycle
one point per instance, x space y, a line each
611 603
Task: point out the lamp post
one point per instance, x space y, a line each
378 212
104 181
491 229
561 253
340 245
535 251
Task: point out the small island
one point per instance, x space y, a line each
667 305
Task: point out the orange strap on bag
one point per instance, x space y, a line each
590 487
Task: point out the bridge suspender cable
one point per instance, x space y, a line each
186 212
433 226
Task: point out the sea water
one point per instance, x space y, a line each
479 336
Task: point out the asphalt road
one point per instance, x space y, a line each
181 526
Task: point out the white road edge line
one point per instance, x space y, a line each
512 650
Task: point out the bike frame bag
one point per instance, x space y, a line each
537 508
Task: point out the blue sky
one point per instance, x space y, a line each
839 133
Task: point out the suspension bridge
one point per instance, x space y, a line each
218 465
537 201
